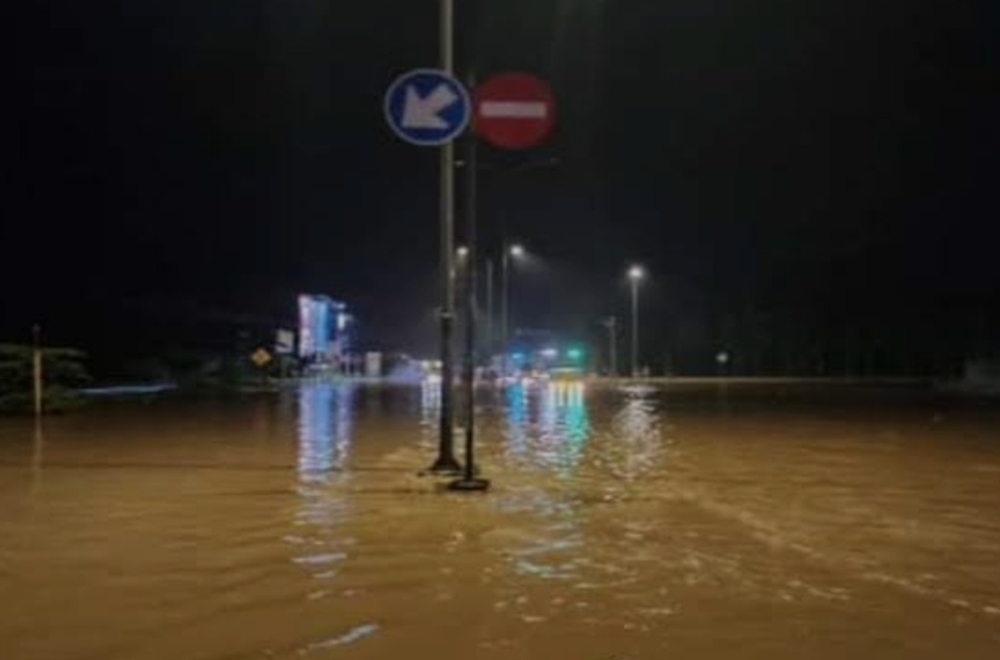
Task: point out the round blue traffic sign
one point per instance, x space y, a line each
427 107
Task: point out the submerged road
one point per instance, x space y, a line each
748 521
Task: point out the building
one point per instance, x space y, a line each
325 330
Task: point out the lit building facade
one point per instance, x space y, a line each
324 329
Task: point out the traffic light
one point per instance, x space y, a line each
575 354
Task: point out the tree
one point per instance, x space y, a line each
63 372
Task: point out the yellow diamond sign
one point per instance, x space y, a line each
261 358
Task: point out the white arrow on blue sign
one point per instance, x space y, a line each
427 107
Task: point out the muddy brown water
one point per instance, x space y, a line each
752 521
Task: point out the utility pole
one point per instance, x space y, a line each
635 328
635 275
504 294
510 251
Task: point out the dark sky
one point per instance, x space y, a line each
179 159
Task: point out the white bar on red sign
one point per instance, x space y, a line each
513 109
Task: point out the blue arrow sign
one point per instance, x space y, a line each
427 107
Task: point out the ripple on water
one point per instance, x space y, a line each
349 637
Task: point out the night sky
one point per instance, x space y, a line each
185 162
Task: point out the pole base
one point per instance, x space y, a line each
473 485
443 467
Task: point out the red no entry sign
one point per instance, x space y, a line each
513 110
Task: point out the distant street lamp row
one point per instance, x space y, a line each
635 273
511 251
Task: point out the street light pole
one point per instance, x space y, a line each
514 251
446 462
635 327
635 274
469 481
504 289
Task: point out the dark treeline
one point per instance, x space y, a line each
871 342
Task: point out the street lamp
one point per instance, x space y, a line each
635 275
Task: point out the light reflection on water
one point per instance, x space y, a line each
430 406
325 411
517 418
547 427
564 428
546 430
324 434
637 442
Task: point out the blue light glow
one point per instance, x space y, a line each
517 418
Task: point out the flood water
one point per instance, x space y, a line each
687 522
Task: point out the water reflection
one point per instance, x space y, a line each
637 435
387 399
325 411
551 436
430 408
518 418
324 428
564 426
546 429
37 455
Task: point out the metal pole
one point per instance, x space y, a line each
635 327
470 294
446 462
504 294
469 482
36 333
489 311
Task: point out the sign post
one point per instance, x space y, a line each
429 108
